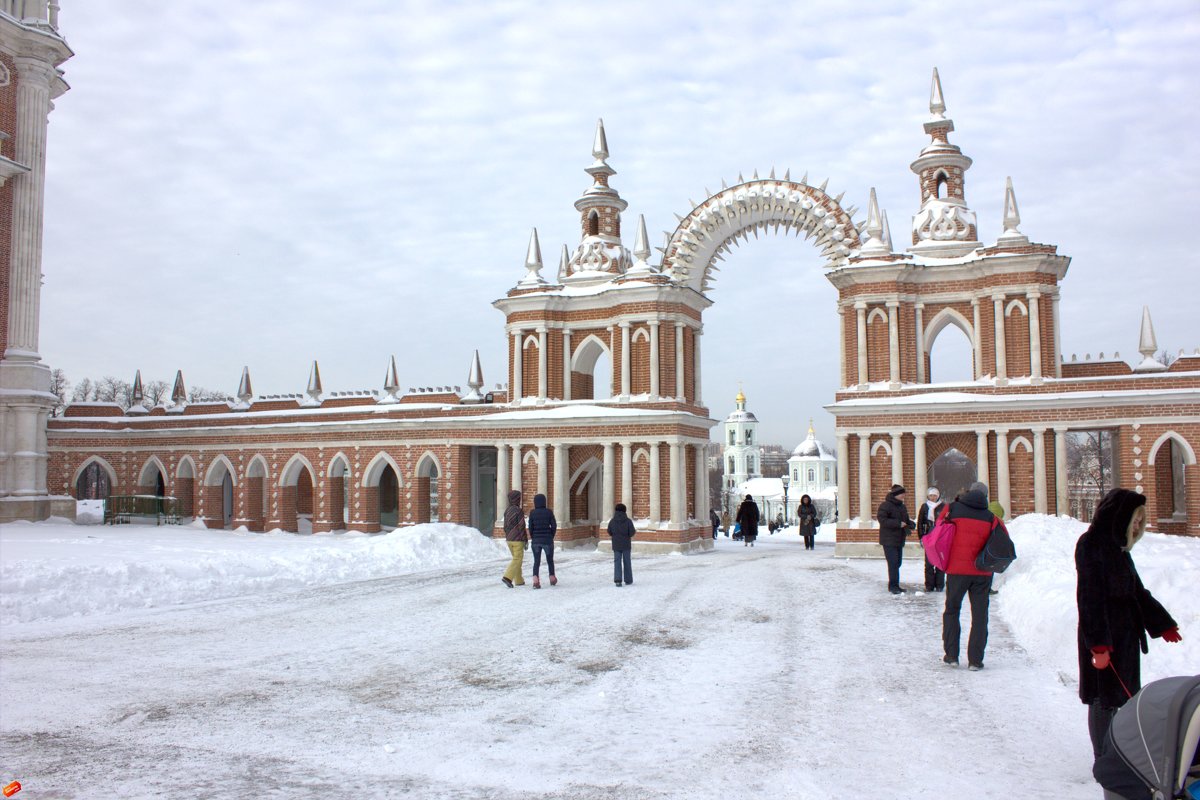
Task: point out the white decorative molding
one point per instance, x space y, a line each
881 445
1188 452
1016 303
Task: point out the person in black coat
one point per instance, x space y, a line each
927 517
894 525
1115 610
806 515
621 529
715 520
747 517
542 526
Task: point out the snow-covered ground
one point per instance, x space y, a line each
178 662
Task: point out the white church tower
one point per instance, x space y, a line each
743 455
31 50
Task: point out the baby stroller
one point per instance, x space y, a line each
1151 749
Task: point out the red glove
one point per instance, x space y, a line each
1100 659
1172 636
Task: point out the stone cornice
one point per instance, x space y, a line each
941 270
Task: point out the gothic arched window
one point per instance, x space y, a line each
593 224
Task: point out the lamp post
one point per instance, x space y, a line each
786 480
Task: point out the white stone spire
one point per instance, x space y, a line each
1148 345
314 383
1012 218
600 145
245 392
137 396
937 103
564 264
641 251
887 233
874 246
533 263
178 393
474 382
391 383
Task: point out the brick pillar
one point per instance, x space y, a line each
421 499
185 490
287 509
366 517
255 519
214 515
336 494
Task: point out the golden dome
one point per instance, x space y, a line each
741 398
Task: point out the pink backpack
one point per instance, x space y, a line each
937 543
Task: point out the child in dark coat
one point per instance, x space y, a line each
621 529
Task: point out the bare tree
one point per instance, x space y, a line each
61 387
156 392
83 391
1165 357
113 390
199 394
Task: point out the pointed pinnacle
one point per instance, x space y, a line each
390 381
724 185
804 180
244 391
755 176
533 257
772 175
787 174
740 178
838 199
1012 216
600 145
641 247
937 103
824 183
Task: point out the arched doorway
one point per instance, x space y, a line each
1169 458
426 490
339 493
258 495
587 494
952 473
389 498
95 482
296 484
949 353
219 484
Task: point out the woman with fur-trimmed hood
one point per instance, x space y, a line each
1115 610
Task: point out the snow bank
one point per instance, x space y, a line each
51 570
1037 594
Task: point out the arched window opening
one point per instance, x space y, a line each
427 491
93 483
939 190
951 356
389 498
591 371
593 224
1091 470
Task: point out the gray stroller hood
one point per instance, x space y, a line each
1154 736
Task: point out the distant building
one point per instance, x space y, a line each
813 467
743 455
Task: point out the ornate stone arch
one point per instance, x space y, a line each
883 445
641 454
339 457
1020 441
258 467
104 465
529 455
588 352
186 462
642 334
877 313
291 470
1017 304
1189 455
152 461
938 323
709 229
214 475
375 468
428 458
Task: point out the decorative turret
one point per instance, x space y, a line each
1147 345
137 397
944 227
391 383
1012 218
600 254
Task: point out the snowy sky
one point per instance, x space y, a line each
264 184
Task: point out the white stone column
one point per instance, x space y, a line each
977 339
920 468
696 332
920 309
1039 470
655 368
518 367
609 483
700 490
982 470
843 478
655 485
625 361
542 469
893 343
566 364
503 479
1003 479
1035 338
676 479
1061 492
562 492
860 308
679 390
543 364
864 477
1001 358
627 476
516 470
897 459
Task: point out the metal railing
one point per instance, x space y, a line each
122 508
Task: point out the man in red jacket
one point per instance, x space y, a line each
973 523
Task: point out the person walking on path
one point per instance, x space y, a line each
621 529
542 527
715 520
1115 610
927 517
725 522
516 536
894 525
806 514
973 524
747 517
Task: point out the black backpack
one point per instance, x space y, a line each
998 551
